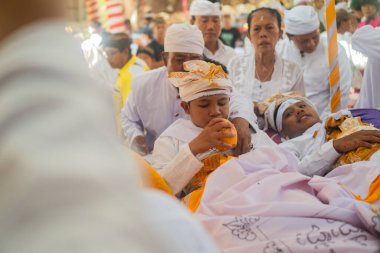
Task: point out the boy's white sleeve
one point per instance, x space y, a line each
319 162
175 163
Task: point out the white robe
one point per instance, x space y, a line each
154 104
173 158
287 76
67 184
100 69
223 55
316 73
366 40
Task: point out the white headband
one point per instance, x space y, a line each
205 8
206 94
284 105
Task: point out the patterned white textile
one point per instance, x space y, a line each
260 203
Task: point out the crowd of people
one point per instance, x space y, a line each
185 144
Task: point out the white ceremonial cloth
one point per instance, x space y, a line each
316 73
172 156
223 55
67 184
205 8
154 104
366 40
100 69
301 20
260 203
287 76
184 38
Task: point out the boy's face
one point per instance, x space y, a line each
116 58
210 27
297 118
204 109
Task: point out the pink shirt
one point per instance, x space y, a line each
374 22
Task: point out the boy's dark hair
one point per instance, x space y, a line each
216 63
121 41
271 11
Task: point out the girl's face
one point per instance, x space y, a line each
368 10
204 109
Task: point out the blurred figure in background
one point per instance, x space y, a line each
157 42
100 69
147 55
206 16
370 9
67 184
119 55
230 34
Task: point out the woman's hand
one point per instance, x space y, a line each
211 135
364 138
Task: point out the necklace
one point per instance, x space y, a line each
263 80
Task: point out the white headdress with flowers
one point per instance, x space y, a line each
202 79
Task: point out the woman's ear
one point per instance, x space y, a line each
186 107
281 34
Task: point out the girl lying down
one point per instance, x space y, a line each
321 146
189 150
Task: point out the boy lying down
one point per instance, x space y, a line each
321 146
189 150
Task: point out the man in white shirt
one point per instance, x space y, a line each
206 16
154 103
305 48
366 40
67 185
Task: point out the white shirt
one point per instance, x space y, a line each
100 69
154 104
366 40
67 185
316 73
314 159
223 55
315 155
173 158
287 76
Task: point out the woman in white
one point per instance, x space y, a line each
262 73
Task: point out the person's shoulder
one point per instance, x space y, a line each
148 79
291 65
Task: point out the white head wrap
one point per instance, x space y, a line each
205 8
298 2
276 109
203 79
184 38
301 20
366 40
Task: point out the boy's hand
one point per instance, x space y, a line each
139 145
364 138
244 136
210 136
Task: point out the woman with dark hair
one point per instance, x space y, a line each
263 73
370 10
